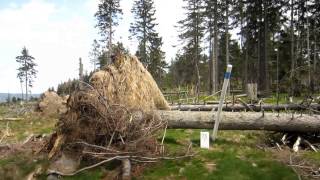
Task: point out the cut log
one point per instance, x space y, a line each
242 121
238 107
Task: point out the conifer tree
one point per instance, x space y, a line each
108 15
192 34
143 29
26 71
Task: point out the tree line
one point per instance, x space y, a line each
276 43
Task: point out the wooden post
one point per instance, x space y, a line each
227 76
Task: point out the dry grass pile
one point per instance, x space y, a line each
51 103
113 118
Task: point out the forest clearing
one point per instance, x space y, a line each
134 135
194 89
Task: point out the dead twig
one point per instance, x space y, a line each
10 119
290 161
136 158
244 104
311 146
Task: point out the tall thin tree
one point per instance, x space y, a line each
108 15
192 34
26 70
143 29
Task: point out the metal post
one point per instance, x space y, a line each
227 76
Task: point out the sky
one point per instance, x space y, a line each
58 32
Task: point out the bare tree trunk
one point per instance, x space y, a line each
211 73
25 64
21 84
315 60
292 50
242 121
197 57
308 49
265 46
227 33
246 67
110 42
215 50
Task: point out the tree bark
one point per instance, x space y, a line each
292 50
26 71
238 107
308 49
242 121
215 48
227 33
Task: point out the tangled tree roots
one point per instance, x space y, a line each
92 120
94 130
112 118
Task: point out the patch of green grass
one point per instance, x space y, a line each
33 123
18 166
313 156
94 174
233 155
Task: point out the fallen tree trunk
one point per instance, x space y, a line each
242 121
238 107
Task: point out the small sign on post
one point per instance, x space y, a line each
204 140
226 80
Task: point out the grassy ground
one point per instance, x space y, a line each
234 155
34 123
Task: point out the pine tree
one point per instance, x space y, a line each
213 19
157 56
107 15
26 71
95 54
143 29
192 34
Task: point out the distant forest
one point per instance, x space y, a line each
277 44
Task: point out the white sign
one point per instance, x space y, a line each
204 140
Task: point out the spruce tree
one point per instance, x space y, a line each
157 65
108 15
26 71
143 29
192 31
95 54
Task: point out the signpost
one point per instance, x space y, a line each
204 140
227 76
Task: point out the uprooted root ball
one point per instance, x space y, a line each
93 121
